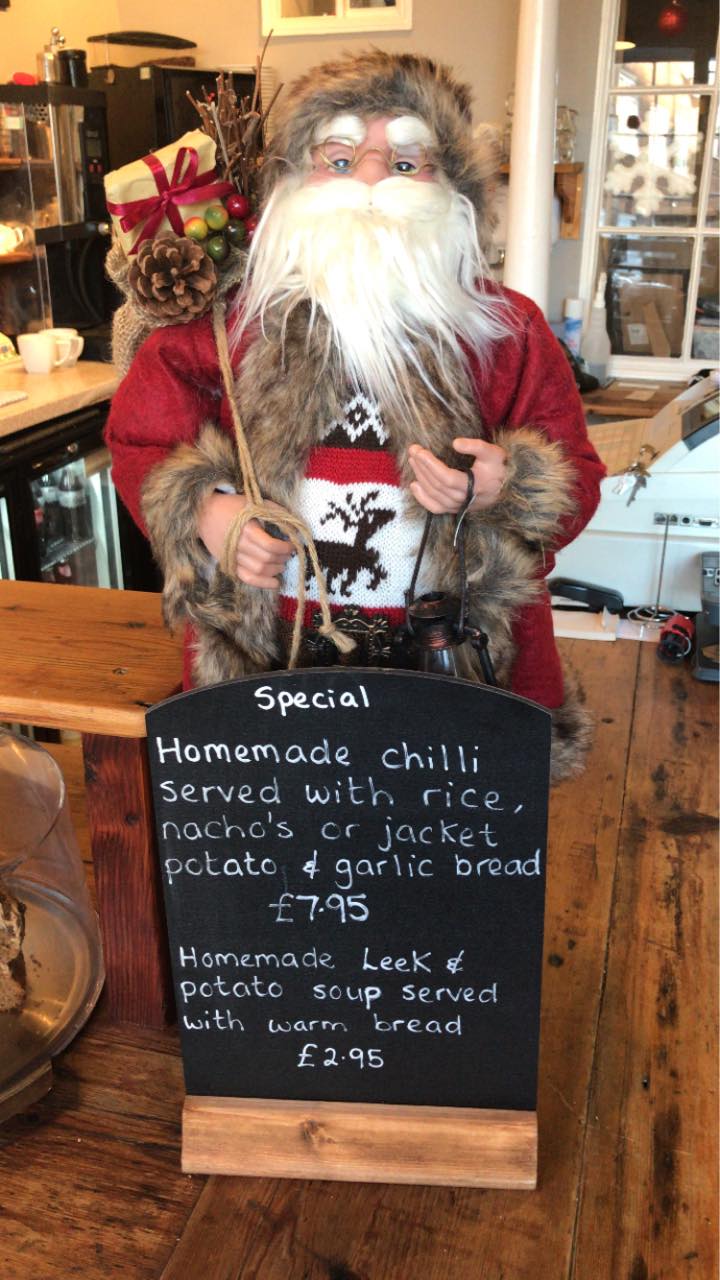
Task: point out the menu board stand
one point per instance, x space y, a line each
353 864
360 1142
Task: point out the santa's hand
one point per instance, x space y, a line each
443 490
261 559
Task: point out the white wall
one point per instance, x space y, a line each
25 27
578 36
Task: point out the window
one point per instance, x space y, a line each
322 17
653 199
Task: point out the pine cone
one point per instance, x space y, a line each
173 278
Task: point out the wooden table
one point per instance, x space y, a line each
93 660
626 398
627 1101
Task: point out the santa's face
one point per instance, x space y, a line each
373 236
371 150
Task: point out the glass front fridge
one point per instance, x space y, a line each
60 518
7 566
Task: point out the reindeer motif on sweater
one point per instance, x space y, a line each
343 562
352 498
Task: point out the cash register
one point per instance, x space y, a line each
659 505
654 538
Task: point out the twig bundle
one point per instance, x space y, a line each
237 128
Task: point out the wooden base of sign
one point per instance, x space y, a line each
360 1142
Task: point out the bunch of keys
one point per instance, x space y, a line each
636 474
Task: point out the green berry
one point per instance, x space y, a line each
216 217
217 248
196 228
236 233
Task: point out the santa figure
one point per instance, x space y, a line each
379 375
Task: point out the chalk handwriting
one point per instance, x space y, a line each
324 854
324 700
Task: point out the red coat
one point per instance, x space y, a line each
174 386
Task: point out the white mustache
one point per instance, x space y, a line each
393 268
395 197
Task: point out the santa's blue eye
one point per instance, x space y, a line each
338 154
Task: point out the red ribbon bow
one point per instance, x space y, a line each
191 188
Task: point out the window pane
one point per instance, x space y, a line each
673 42
308 8
654 159
713 204
646 296
706 334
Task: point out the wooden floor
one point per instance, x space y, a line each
90 1181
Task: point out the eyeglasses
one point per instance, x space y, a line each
340 156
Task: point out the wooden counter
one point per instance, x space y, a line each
627 1101
84 658
52 394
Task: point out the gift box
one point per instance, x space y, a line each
163 189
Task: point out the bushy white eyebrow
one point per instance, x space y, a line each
351 127
405 130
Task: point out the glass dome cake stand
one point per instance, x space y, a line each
51 964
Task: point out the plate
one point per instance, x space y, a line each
65 974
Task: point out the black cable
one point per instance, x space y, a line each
410 593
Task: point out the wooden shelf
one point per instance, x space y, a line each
19 162
569 183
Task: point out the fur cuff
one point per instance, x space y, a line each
538 489
571 734
171 498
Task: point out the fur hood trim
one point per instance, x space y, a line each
377 83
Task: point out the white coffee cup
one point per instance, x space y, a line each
39 352
76 345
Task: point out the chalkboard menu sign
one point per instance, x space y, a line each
353 865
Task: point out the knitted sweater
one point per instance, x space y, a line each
351 498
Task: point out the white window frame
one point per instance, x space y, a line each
657 368
343 22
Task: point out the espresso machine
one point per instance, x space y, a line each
53 157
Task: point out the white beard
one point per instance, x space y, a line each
396 269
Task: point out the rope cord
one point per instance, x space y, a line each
294 527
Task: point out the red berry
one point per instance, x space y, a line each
237 206
251 223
